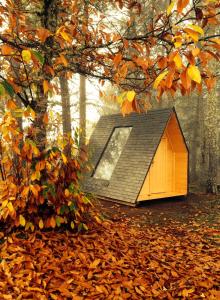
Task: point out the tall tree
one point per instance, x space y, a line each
82 110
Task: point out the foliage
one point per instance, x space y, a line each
44 39
117 261
38 189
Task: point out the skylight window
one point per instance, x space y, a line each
112 153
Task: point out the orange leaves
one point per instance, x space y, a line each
94 264
117 59
46 86
7 50
181 4
39 177
185 80
118 261
43 34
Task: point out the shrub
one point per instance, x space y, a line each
39 189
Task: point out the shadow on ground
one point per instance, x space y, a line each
201 209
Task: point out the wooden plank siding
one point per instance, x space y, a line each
168 174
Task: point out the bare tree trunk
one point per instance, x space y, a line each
66 113
82 110
210 140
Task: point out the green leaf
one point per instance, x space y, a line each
86 200
58 221
9 89
38 56
72 206
64 209
2 90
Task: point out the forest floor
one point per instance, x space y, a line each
159 250
194 209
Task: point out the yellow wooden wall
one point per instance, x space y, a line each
167 176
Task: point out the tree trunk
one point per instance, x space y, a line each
82 110
210 141
66 113
39 125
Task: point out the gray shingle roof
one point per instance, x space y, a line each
134 162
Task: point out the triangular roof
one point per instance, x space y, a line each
135 159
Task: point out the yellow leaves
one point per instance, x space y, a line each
62 31
131 95
196 28
66 36
177 41
178 60
159 79
35 189
64 158
94 264
41 224
10 207
4 204
67 193
215 40
22 220
170 7
194 73
72 225
195 52
186 292
26 55
45 86
192 33
35 176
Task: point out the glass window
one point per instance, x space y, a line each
112 153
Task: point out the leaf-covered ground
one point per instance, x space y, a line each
121 260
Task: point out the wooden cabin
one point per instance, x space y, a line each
138 157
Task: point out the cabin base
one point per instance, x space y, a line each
160 196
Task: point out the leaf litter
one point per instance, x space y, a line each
113 261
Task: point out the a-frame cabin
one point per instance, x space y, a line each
138 157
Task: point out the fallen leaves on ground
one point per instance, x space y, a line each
116 261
